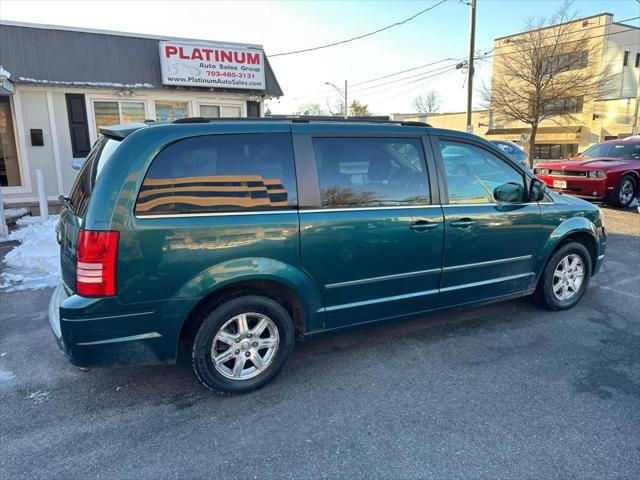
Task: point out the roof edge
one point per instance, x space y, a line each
42 26
553 26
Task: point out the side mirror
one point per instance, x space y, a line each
77 163
579 154
537 189
509 192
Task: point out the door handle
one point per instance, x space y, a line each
422 226
462 223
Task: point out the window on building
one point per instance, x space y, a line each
221 173
210 111
171 110
555 151
625 59
565 62
637 60
566 105
217 111
227 111
475 175
9 165
371 172
115 112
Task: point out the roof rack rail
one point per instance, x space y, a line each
306 119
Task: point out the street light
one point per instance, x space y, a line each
342 93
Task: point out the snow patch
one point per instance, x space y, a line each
35 263
85 84
6 375
11 213
4 73
39 396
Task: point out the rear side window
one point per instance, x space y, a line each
371 172
221 173
99 155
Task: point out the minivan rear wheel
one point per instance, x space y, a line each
566 277
242 344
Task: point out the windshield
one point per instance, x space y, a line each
614 150
96 160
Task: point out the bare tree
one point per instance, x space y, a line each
310 109
355 108
546 73
429 103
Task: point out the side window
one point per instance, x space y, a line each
371 172
475 175
220 173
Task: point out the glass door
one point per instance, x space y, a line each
9 164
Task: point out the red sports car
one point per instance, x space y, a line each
607 171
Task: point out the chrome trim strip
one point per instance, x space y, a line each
132 338
380 300
216 214
381 278
473 204
489 262
486 282
137 314
358 209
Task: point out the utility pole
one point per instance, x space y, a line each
343 94
346 103
472 41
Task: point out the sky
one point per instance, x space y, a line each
440 35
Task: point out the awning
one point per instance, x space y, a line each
565 134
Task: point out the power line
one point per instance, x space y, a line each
397 80
403 71
482 56
402 22
421 79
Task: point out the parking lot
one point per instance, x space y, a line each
509 390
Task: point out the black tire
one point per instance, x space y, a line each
201 352
615 200
544 292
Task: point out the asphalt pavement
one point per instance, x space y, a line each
505 391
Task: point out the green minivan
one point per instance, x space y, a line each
228 239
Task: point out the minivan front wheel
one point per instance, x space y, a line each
242 344
566 277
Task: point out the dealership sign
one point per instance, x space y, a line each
211 65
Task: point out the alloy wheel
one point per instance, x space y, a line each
625 193
568 277
245 346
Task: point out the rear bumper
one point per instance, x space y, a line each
90 334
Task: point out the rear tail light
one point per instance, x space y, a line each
96 263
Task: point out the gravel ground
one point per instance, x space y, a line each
505 391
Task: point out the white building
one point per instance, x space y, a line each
58 85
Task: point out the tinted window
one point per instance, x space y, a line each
371 172
614 150
475 175
220 173
82 188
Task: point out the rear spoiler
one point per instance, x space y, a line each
120 132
